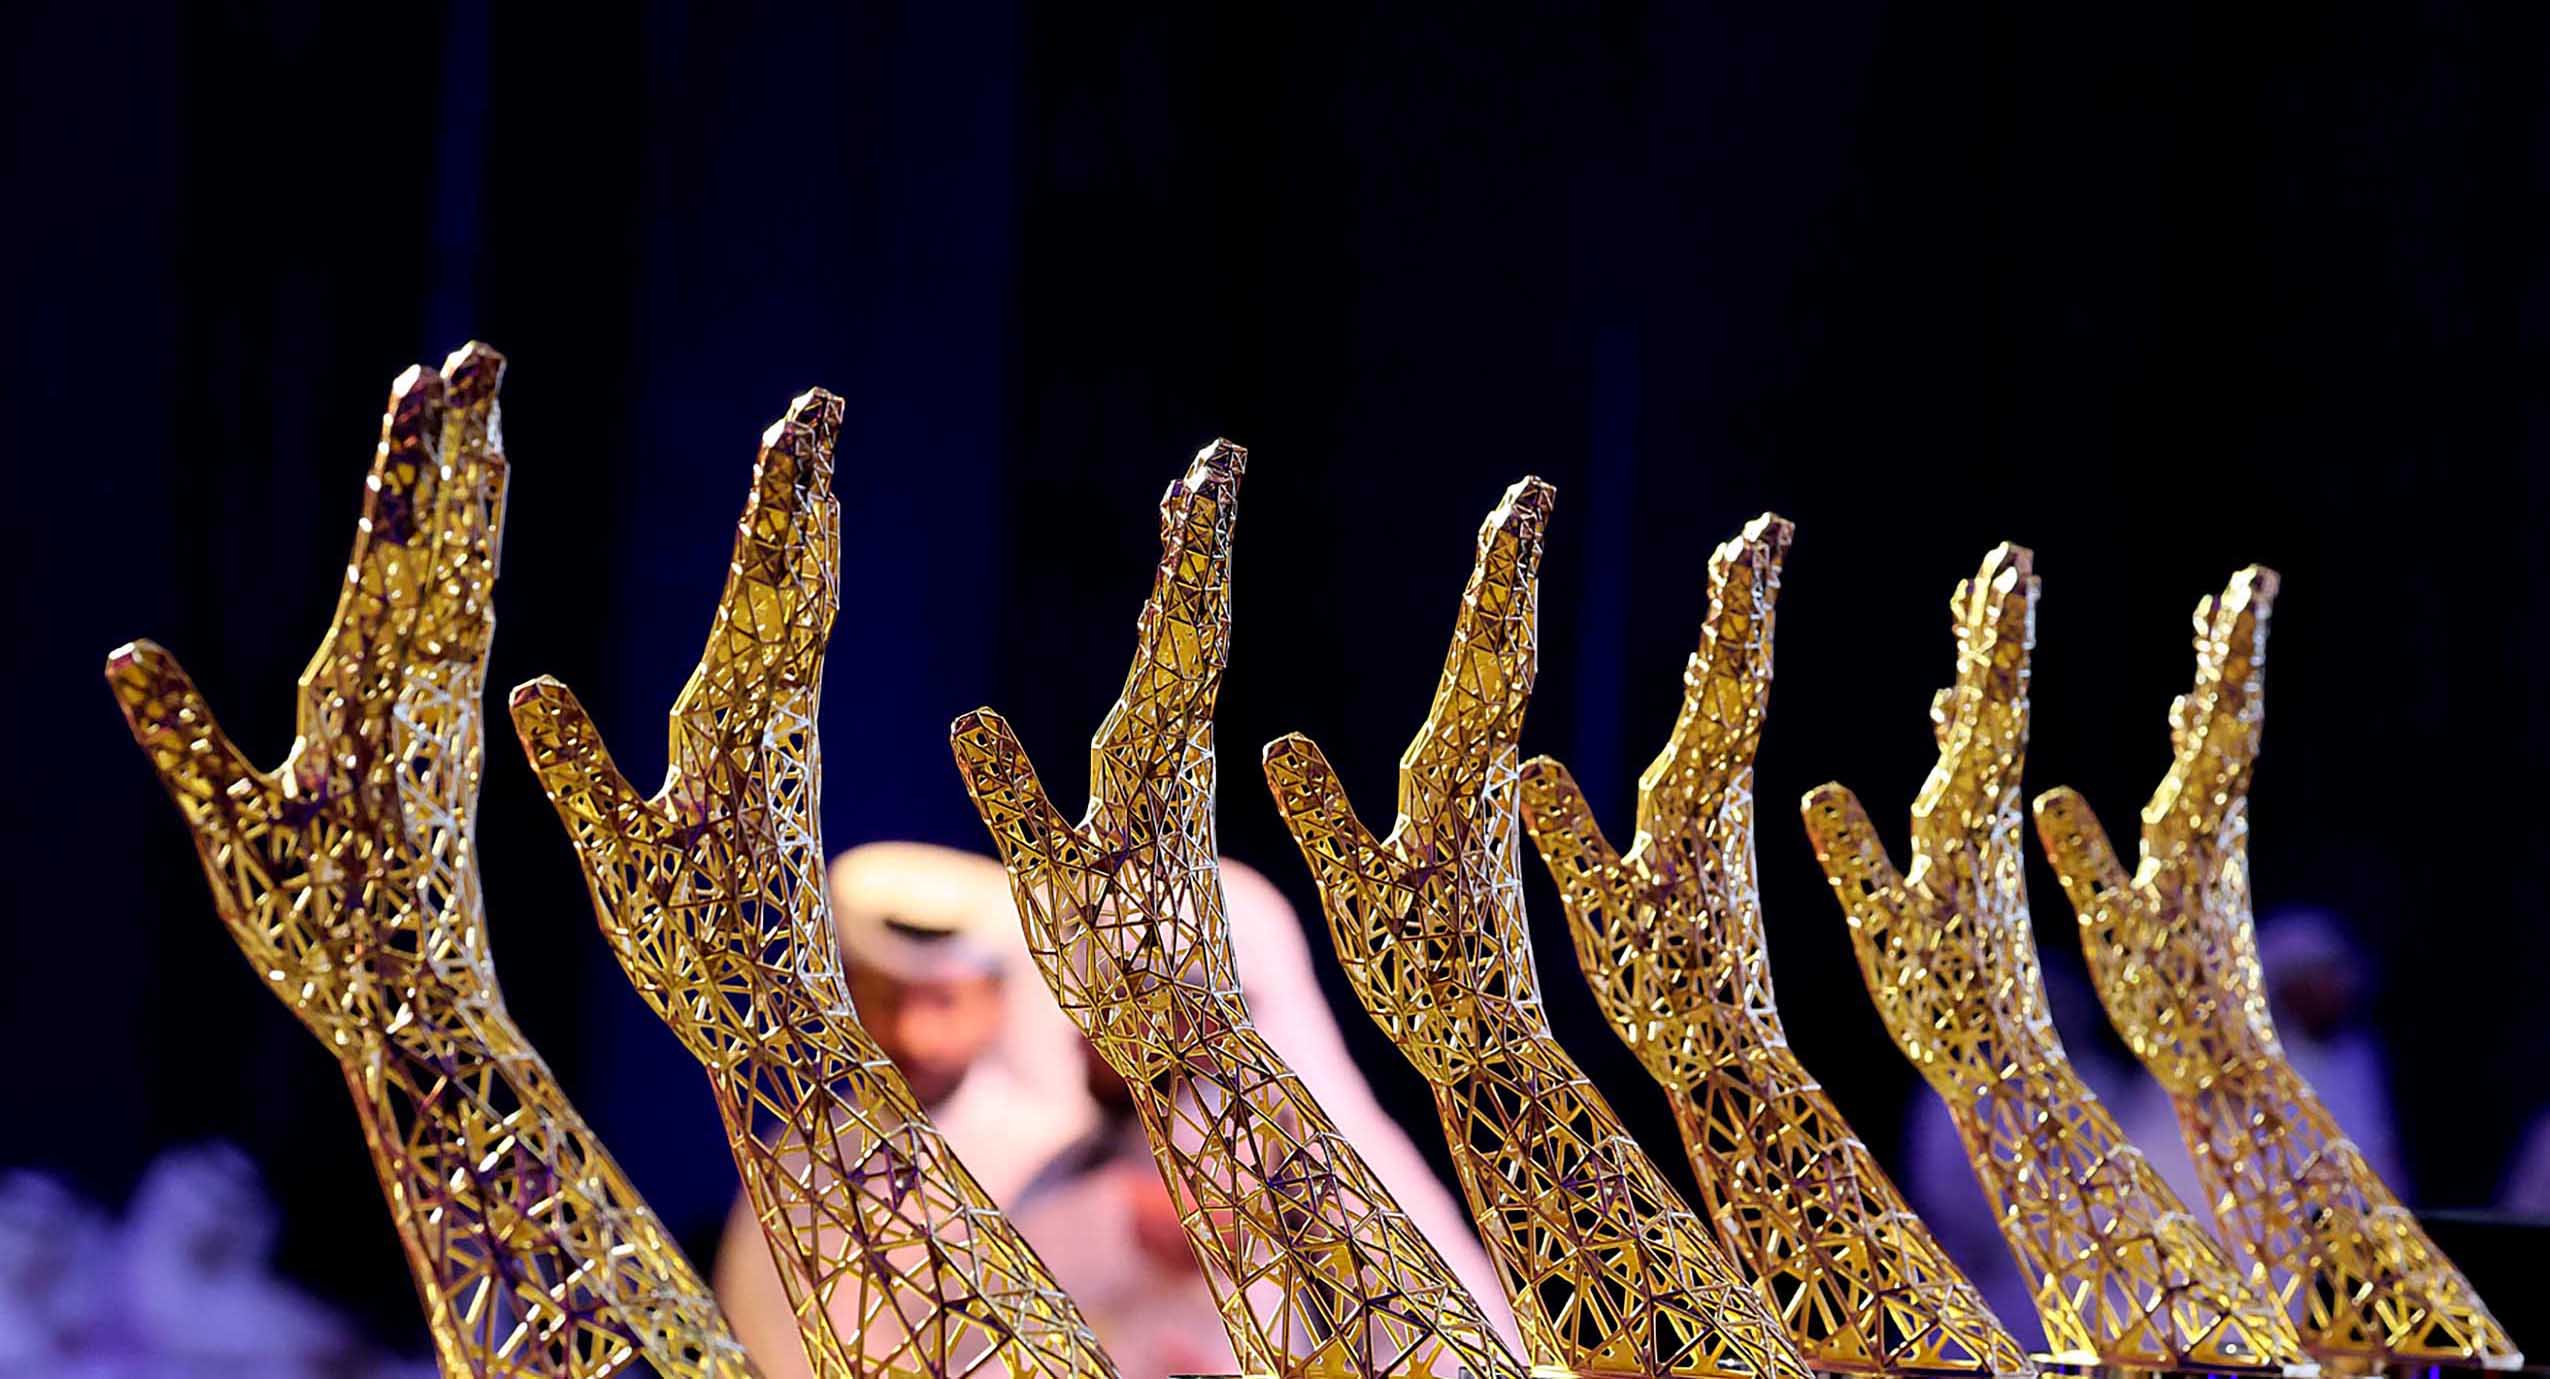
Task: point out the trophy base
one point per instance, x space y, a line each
2074 1365
1861 1369
1911 1372
2077 1364
2341 1367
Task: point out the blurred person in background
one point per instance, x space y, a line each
1101 1214
53 1261
2526 1193
939 972
1940 1181
194 1288
2316 992
2320 990
182 1285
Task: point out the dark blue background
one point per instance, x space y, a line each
2158 291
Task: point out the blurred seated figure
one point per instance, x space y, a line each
2526 1193
1940 1181
179 1287
2319 989
1102 1217
938 969
55 1258
2316 990
193 1284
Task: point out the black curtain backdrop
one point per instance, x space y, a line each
2157 291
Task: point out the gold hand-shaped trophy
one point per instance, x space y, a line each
1316 1270
349 878
2122 1274
712 894
1609 1272
2175 958
1670 937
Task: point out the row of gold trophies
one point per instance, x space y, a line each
348 875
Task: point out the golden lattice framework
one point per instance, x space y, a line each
2175 958
2121 1272
349 878
1670 937
712 894
1316 1269
1608 1271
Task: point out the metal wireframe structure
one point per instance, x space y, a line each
2122 1274
712 895
1316 1270
349 877
2174 955
1608 1271
1670 937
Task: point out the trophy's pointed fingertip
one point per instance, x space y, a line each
1832 797
2263 582
2008 562
1220 465
2057 803
416 388
1772 531
474 372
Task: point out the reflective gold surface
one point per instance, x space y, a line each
712 895
349 877
2120 1270
1609 1272
2175 958
1315 1268
1670 937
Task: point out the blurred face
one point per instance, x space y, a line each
1106 1086
932 1030
2320 997
1157 1231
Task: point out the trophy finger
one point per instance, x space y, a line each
1037 844
2076 846
1854 860
605 816
1351 868
224 799
352 682
776 608
1725 687
1985 741
1594 884
456 614
1744 585
1563 827
1182 640
2218 723
1487 673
